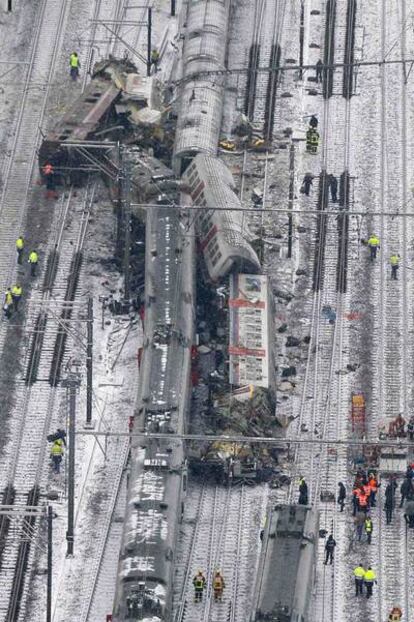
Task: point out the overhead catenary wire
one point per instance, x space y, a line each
392 445
276 210
295 67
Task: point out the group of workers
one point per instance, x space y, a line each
199 583
332 184
12 295
374 246
364 577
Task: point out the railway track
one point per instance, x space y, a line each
24 466
21 162
224 521
325 397
102 575
395 305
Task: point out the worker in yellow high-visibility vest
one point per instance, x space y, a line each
74 66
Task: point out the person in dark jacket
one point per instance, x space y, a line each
410 429
319 71
307 183
359 521
341 496
409 513
333 185
329 549
313 122
389 504
303 492
406 491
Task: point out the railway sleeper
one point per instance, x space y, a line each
329 51
36 349
22 558
61 337
9 495
348 79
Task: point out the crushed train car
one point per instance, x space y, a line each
115 100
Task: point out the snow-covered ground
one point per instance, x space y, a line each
373 137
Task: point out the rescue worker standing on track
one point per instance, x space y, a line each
74 66
359 574
218 587
368 526
369 579
16 295
341 496
307 183
319 71
389 504
329 550
8 304
19 249
410 429
395 264
395 615
56 453
155 59
199 583
373 483
313 122
374 245
312 141
33 261
49 175
303 492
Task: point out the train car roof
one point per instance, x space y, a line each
85 113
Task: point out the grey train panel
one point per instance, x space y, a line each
158 476
223 232
200 105
287 565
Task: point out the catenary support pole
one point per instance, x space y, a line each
149 28
72 384
89 362
49 563
126 195
301 37
291 197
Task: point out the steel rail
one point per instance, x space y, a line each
221 542
338 394
187 575
235 579
395 336
98 560
202 557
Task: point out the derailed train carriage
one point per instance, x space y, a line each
158 468
287 565
201 99
222 232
